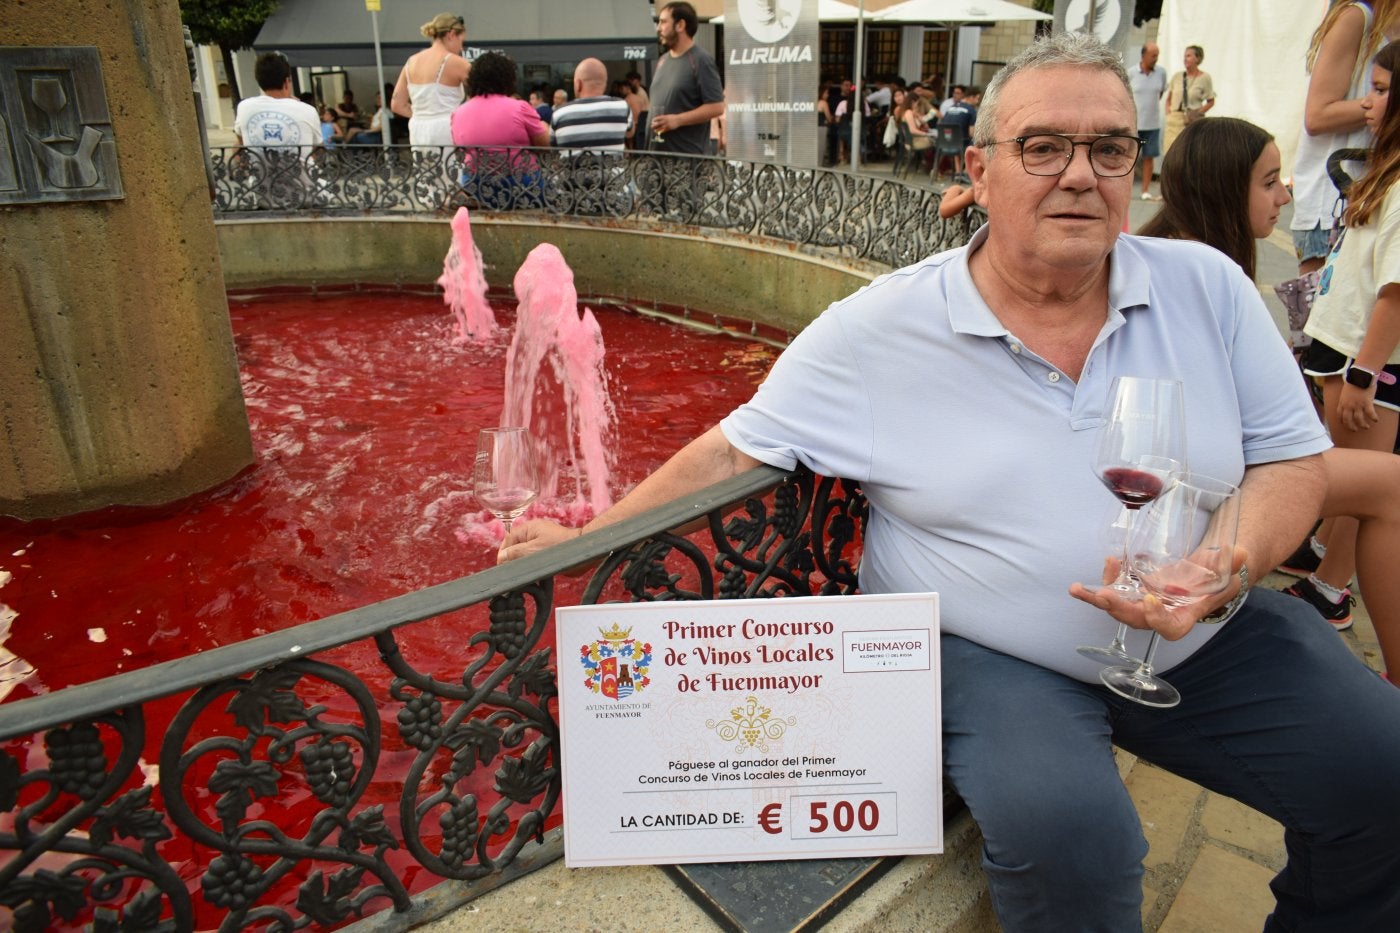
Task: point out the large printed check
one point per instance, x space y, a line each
741 730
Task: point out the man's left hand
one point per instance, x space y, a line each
1151 612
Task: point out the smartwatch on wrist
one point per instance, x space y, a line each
1225 612
1362 378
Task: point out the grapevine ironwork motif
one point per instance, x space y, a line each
868 217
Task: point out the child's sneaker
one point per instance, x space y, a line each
1302 562
1339 614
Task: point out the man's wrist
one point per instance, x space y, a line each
1225 612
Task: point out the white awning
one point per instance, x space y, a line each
326 33
828 11
955 11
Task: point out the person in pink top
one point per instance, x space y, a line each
492 119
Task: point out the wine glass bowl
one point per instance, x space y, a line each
505 478
1135 486
1183 551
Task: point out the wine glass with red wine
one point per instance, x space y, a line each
1142 444
1183 550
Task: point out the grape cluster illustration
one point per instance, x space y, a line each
460 826
330 769
231 881
420 720
77 760
508 625
786 520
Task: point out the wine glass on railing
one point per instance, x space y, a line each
505 478
1139 448
1182 551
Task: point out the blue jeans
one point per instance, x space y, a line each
1276 713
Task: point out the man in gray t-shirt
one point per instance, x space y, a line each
686 92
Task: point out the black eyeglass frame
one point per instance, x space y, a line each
1088 144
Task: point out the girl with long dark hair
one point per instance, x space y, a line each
1221 186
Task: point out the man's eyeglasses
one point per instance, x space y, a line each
1051 153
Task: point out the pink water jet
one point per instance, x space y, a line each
464 284
555 384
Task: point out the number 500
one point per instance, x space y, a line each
844 816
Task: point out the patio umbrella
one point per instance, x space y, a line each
828 11
944 12
949 14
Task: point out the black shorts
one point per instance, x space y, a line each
1321 360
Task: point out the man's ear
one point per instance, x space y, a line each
975 160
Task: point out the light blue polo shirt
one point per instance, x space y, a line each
975 454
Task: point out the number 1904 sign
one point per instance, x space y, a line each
750 729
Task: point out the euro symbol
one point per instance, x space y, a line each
770 818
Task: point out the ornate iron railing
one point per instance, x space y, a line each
263 816
867 216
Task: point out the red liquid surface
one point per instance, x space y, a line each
364 419
1134 488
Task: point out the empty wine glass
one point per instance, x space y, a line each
505 479
1182 551
1142 444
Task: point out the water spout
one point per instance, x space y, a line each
555 383
464 284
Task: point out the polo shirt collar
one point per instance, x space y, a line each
1128 287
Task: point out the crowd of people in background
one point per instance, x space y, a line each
434 90
896 116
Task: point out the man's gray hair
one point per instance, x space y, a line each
1061 48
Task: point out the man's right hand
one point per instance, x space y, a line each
526 538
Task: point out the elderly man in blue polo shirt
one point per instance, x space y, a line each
965 394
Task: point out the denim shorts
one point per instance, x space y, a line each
1151 143
1321 360
1312 244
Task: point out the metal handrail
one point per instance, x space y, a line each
856 216
277 718
38 713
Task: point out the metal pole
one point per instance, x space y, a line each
379 65
953 35
859 105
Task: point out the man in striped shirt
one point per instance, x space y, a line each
592 120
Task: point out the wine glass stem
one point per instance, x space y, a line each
1126 579
1145 665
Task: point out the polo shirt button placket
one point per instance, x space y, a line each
1053 376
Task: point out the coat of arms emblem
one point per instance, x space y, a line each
616 665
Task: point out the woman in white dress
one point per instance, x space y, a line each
431 84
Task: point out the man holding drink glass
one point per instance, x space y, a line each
965 393
686 92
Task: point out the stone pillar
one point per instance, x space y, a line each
118 377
